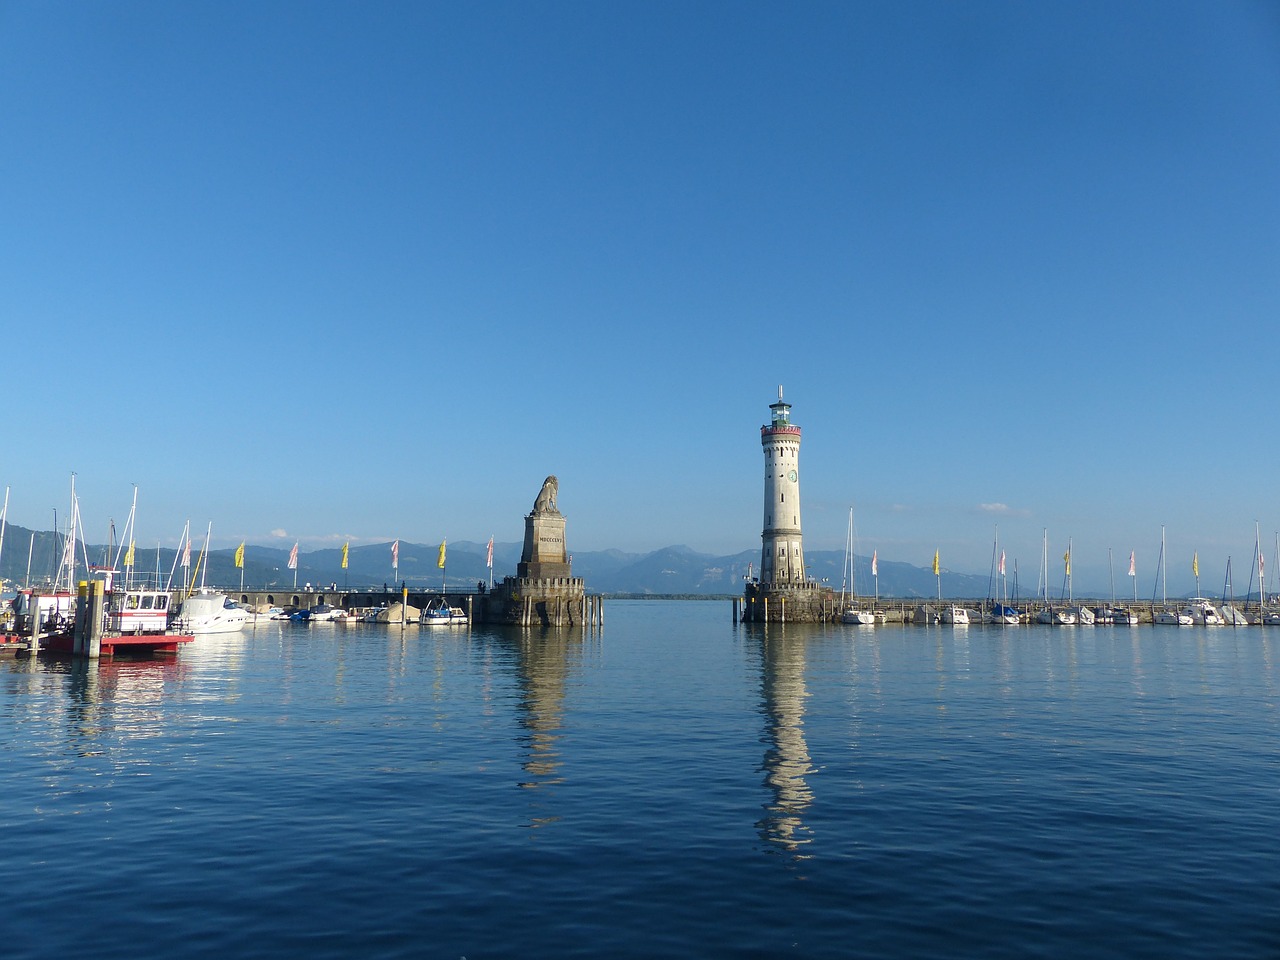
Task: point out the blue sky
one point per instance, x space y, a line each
329 271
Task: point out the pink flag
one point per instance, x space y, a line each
1132 573
1002 563
489 559
293 557
875 567
395 554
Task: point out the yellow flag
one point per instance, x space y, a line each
1066 557
344 554
240 555
1195 563
440 561
128 555
936 569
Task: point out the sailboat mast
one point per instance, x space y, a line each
1262 565
128 528
71 543
4 516
205 553
1164 574
1071 596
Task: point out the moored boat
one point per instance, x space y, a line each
852 612
924 614
439 613
209 611
1203 612
1003 613
324 613
1058 617
1083 615
1233 615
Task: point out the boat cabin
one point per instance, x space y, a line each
139 611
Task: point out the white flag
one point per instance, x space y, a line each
395 554
875 567
1002 563
1131 568
293 557
489 560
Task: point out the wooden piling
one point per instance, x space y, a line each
93 626
33 644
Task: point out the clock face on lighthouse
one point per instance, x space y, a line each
792 476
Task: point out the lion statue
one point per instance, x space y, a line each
546 502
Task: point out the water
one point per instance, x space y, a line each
669 786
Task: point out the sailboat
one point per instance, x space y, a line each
1000 611
1165 615
1082 613
1061 618
851 613
1122 615
1267 619
1230 613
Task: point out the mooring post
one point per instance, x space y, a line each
93 620
34 644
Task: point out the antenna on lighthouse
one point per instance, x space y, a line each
779 391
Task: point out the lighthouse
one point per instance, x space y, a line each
784 591
782 550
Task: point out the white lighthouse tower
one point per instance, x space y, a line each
782 551
784 591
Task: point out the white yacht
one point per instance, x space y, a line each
1057 618
854 615
953 614
211 611
1203 612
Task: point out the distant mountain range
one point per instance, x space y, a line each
675 570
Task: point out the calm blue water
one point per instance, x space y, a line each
670 786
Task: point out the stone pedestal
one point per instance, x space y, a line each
544 556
